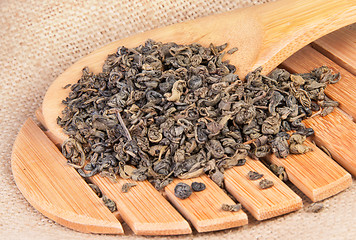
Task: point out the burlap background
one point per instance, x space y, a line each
40 39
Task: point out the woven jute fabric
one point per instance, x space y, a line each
40 39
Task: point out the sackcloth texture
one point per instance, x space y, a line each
40 39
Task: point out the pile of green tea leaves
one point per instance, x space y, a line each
163 111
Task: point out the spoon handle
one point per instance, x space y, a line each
265 34
290 25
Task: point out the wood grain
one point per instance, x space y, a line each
143 208
344 91
289 27
261 203
340 47
314 173
54 188
203 209
39 115
337 133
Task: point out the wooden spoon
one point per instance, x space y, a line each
265 35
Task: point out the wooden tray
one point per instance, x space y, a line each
57 190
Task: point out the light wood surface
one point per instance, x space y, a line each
39 115
203 209
261 203
314 173
143 208
336 132
340 47
54 188
344 91
266 35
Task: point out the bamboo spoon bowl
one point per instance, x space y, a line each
265 35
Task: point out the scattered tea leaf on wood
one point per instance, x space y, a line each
96 189
182 190
231 207
110 204
297 145
126 187
279 171
265 183
232 50
252 175
198 186
283 176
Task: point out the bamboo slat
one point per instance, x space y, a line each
261 203
203 209
340 47
337 133
314 173
344 91
54 188
143 208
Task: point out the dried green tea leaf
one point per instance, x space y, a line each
297 144
218 178
198 186
96 189
315 207
126 187
231 207
252 175
192 174
182 190
232 50
110 204
265 183
297 79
